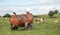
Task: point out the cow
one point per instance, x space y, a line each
23 20
40 20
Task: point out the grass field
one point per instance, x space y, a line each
49 27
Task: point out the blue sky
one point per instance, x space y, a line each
35 6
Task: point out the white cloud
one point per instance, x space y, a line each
46 8
46 1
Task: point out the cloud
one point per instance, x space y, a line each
40 6
46 1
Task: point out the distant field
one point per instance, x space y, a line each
49 27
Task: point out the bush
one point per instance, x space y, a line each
51 13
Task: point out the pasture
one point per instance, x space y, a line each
49 27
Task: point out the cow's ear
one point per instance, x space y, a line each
14 13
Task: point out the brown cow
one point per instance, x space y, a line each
23 20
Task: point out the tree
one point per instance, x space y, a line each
51 13
56 11
7 15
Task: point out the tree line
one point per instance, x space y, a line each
50 14
6 15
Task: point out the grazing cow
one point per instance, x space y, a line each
23 20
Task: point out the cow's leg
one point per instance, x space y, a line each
31 25
28 26
14 27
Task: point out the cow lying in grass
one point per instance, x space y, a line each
40 20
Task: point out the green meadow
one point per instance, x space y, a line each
49 27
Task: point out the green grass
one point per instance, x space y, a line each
49 27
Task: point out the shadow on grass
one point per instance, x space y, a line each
52 17
21 29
